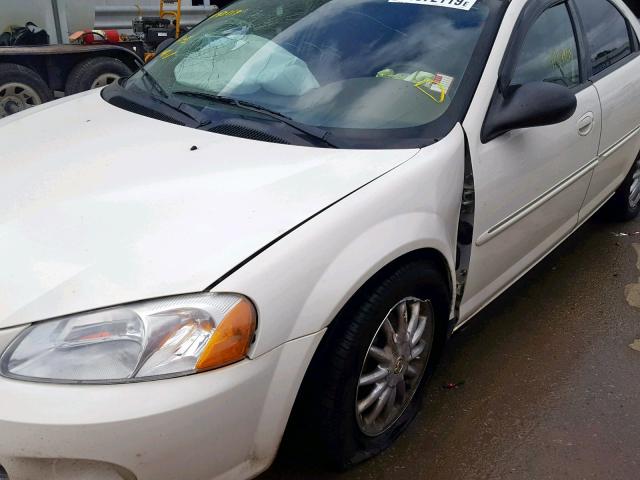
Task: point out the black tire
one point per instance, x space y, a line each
324 424
621 206
11 74
86 73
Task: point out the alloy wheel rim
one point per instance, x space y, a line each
15 97
634 190
394 365
104 80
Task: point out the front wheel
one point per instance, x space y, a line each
394 365
625 204
363 388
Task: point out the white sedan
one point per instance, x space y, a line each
276 225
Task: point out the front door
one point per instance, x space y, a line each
530 183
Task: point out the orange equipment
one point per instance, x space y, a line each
175 13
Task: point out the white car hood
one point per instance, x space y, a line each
101 206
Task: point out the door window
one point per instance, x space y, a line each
549 52
607 33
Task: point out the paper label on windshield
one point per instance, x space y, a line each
457 4
441 83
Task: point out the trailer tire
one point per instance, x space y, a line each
95 73
21 88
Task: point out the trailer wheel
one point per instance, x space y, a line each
95 73
20 88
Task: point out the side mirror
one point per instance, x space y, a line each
531 105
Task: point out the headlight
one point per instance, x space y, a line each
158 338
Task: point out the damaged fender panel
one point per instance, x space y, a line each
356 239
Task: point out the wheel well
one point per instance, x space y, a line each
295 426
427 255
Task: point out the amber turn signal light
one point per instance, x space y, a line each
232 337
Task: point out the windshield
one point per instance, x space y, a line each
333 64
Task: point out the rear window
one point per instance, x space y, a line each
607 33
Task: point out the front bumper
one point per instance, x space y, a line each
224 424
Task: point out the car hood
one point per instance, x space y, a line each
102 206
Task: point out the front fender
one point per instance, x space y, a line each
300 283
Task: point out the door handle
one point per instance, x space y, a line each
585 124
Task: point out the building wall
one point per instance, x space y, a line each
19 12
119 13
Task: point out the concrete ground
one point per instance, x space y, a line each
551 385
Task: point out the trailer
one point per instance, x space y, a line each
29 76
60 18
32 75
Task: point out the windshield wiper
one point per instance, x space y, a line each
317 133
152 80
185 109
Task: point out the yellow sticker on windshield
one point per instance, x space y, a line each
457 4
184 39
167 53
228 13
423 81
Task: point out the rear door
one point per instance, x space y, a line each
613 52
